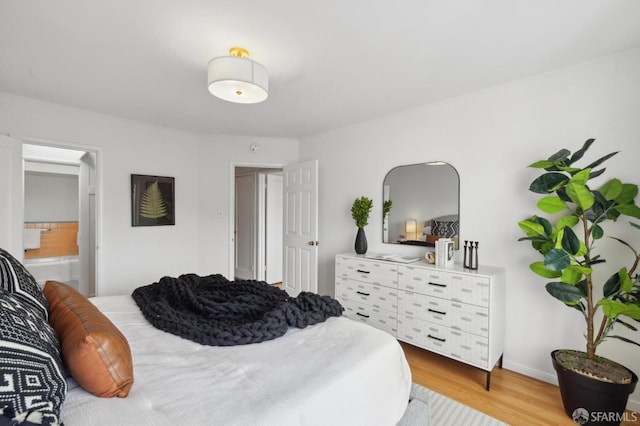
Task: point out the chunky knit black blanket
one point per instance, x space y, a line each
212 310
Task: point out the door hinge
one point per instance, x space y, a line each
313 243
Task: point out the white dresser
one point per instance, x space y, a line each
456 312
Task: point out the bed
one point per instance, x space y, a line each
335 372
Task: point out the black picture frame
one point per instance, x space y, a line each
152 200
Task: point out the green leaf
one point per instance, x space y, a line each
597 232
580 153
568 169
600 208
560 156
612 285
542 164
570 241
611 190
557 260
615 308
566 293
596 173
568 221
580 195
531 228
581 177
600 160
626 285
629 192
548 228
628 210
548 183
538 268
551 204
571 275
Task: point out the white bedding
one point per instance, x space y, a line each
340 372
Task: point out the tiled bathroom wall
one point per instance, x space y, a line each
56 239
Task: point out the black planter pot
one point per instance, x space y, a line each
361 242
590 401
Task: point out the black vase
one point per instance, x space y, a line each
601 403
361 242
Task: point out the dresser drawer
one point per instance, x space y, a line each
470 348
424 334
369 294
368 271
376 317
446 285
470 289
424 281
456 344
455 315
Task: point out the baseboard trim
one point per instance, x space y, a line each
632 404
531 372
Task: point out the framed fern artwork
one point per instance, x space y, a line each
152 200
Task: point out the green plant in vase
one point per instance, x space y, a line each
360 211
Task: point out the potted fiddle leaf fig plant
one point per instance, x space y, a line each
360 211
575 214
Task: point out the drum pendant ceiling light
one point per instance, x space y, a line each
236 78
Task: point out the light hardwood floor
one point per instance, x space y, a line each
514 398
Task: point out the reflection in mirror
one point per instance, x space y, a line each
424 204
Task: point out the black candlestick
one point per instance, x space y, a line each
471 254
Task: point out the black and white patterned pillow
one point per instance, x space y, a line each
32 377
17 280
445 228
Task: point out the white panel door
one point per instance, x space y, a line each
300 221
12 195
273 228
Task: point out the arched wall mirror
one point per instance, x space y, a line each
424 202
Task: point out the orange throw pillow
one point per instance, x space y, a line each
95 352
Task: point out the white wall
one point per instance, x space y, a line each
50 197
129 257
490 137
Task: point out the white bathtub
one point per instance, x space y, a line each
65 269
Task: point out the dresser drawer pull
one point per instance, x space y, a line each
437 312
436 284
363 272
362 293
436 338
362 315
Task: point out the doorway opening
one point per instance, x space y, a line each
60 215
257 223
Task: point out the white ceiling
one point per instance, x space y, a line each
331 62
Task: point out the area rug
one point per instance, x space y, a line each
429 408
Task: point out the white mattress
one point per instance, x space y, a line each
340 372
